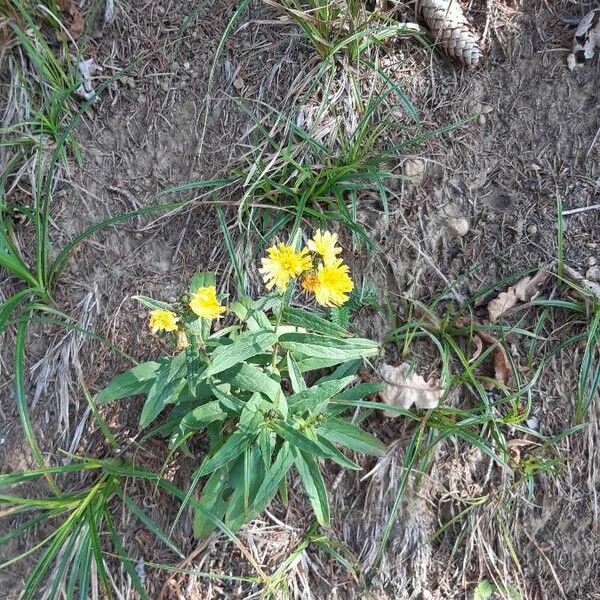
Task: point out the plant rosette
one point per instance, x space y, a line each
269 389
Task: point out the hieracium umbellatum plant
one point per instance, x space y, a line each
268 389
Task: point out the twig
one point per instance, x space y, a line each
574 211
593 142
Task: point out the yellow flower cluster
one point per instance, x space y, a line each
323 273
203 303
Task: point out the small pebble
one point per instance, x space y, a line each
481 120
414 168
458 226
592 260
593 273
532 229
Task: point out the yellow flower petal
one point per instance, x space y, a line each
162 320
283 263
324 243
205 304
333 284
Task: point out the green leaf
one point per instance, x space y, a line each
148 522
251 416
202 280
335 454
196 420
125 559
340 431
251 379
328 348
245 480
298 383
236 443
245 310
273 476
297 439
9 305
211 502
137 380
153 304
315 397
358 392
314 486
341 316
166 388
247 345
310 320
350 367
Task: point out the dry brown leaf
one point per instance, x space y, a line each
405 388
77 23
525 290
501 363
70 9
502 369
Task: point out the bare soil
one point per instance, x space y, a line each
532 140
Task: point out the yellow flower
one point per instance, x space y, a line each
204 303
164 320
324 244
283 264
310 281
333 284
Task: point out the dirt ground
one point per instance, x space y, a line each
532 139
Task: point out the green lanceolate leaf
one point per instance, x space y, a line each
137 380
245 479
314 485
334 454
251 416
246 346
273 476
9 305
346 369
333 350
297 438
170 381
346 434
358 392
153 304
296 378
196 420
316 397
313 322
249 378
211 502
245 310
236 443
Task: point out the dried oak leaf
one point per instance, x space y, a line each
500 360
404 388
525 290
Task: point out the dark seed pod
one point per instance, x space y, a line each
451 30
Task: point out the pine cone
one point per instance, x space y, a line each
451 30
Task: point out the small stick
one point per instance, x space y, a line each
574 211
593 143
